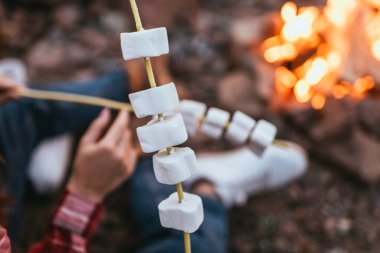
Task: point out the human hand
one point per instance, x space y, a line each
9 90
102 164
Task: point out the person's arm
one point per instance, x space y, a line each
42 119
26 122
73 225
100 167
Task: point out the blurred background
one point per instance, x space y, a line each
310 67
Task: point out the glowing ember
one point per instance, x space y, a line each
340 91
318 101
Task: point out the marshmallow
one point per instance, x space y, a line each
155 100
176 167
262 136
145 43
240 128
215 122
186 216
157 135
192 112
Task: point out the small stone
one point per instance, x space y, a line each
236 92
250 30
344 225
357 154
337 250
369 114
336 119
114 22
46 55
95 40
289 228
67 15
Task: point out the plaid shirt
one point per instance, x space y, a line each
73 224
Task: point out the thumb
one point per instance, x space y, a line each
97 127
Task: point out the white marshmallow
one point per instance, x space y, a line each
145 43
157 135
176 167
240 128
215 122
192 112
186 216
155 100
262 136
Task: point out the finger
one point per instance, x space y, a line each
6 82
9 93
123 143
131 156
16 93
117 129
97 127
131 160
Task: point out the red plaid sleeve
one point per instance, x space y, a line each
73 224
5 244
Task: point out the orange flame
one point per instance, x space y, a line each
301 34
299 26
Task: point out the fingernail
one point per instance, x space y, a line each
103 112
124 113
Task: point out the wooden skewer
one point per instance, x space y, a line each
152 83
75 98
186 237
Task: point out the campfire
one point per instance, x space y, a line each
329 51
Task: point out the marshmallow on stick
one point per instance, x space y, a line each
241 129
173 165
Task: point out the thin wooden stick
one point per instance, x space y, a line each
186 237
149 70
136 15
180 192
75 98
152 83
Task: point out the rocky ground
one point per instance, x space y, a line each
334 208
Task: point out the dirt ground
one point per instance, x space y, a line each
326 211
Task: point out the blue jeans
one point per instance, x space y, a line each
147 193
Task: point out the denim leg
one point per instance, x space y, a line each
147 193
